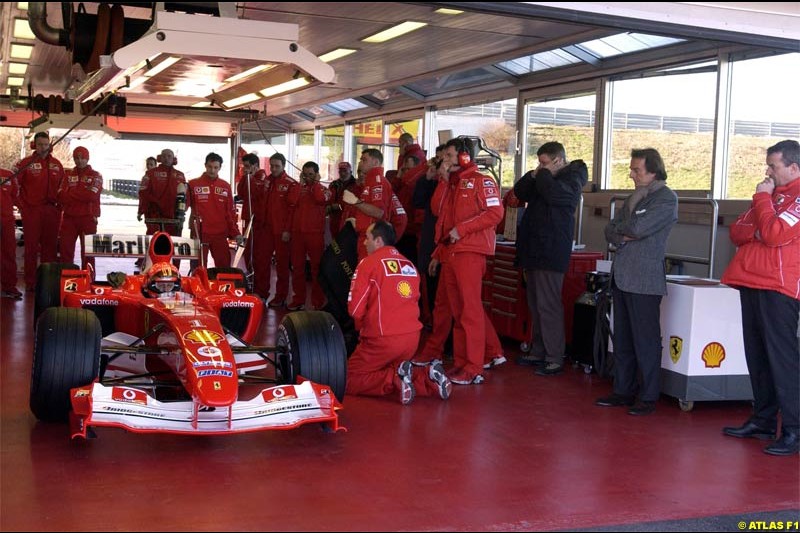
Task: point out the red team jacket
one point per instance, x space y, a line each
470 202
259 190
80 192
383 295
376 191
38 180
212 203
279 211
158 190
768 237
309 203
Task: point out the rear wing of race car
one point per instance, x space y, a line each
114 245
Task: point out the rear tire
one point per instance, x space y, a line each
66 355
48 287
314 348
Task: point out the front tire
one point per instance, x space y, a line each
313 348
66 355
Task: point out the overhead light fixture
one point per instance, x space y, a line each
14 81
202 104
161 67
396 31
22 30
267 52
337 54
448 11
21 51
22 6
68 121
17 68
279 80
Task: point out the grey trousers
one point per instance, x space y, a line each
547 314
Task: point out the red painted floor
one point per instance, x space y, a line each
520 452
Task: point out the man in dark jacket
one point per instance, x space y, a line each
544 245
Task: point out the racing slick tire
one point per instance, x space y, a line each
66 355
313 348
48 287
213 273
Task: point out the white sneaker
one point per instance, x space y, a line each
437 375
407 391
496 361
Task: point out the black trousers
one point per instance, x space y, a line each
637 344
771 329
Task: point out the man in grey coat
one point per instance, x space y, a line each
639 231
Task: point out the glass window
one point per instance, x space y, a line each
393 132
495 123
762 113
265 149
331 152
625 43
303 153
568 120
366 135
673 114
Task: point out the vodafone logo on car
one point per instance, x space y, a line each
98 301
120 394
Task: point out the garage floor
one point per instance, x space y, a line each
520 452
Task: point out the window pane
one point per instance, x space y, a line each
366 135
763 112
304 152
569 121
331 152
494 122
673 114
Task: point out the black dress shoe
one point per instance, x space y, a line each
750 430
550 369
530 360
788 444
615 400
642 409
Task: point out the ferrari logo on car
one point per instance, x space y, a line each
203 336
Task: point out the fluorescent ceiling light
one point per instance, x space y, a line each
202 104
396 31
14 81
17 68
21 51
22 5
284 87
337 54
161 67
22 30
248 72
447 11
241 100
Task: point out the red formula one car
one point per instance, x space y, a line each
156 353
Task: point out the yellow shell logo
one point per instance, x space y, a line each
675 348
404 289
713 355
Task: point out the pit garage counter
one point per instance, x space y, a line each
703 352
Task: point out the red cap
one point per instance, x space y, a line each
81 152
345 165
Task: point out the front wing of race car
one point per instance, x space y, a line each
131 408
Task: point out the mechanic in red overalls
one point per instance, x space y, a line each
253 189
162 194
374 202
211 200
8 240
279 214
468 206
383 302
308 235
80 196
39 177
